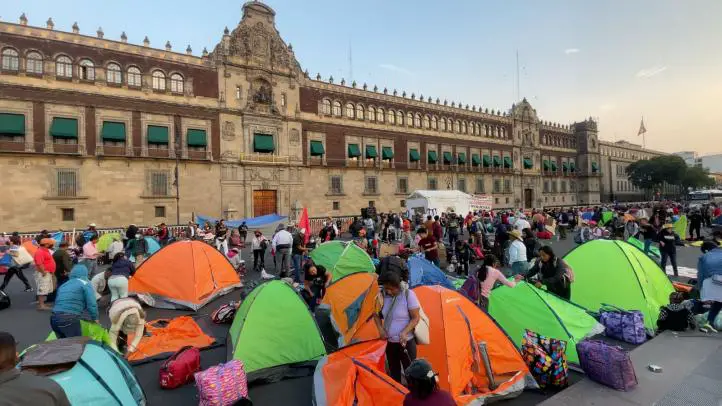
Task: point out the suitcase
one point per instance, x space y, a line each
606 364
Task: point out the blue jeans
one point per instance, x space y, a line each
65 325
647 245
297 261
519 268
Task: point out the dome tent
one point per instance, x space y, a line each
342 259
619 274
425 273
352 302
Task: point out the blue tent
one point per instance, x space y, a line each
587 215
253 222
152 246
423 272
99 376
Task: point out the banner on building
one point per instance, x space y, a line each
481 202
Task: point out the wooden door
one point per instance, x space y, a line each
264 202
528 199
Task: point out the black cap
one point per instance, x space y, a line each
420 369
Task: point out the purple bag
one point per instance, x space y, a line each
627 326
471 289
606 364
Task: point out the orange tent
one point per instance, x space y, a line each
353 300
457 327
354 375
178 333
30 247
185 274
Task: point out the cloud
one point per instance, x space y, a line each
570 51
649 72
607 107
395 68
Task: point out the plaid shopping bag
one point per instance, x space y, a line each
547 360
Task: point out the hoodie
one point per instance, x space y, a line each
76 295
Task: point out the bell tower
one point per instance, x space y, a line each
588 160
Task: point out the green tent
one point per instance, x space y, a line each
653 251
616 273
105 240
607 217
94 331
526 307
274 334
680 227
342 259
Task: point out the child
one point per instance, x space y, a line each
677 315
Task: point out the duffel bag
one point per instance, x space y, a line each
624 325
606 364
222 385
178 370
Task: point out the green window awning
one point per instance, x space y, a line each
371 151
157 134
12 124
113 131
528 163
64 128
263 143
565 166
414 155
448 158
507 162
475 159
595 167
433 158
387 153
486 160
196 138
572 166
497 161
547 165
317 148
461 158
554 165
353 151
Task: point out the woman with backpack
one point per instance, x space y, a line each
553 273
259 243
478 287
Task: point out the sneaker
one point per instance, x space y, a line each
29 290
707 328
266 275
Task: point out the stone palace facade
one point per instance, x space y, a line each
100 130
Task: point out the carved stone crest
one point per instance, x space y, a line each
228 156
229 131
294 138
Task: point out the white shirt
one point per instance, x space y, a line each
282 237
114 248
256 242
517 252
521 224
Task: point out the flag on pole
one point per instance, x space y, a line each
642 130
304 223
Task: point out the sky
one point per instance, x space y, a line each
615 60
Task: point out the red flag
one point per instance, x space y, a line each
304 223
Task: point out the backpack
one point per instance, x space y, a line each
4 300
474 227
225 313
263 244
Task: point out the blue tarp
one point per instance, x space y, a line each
58 237
152 246
6 260
587 215
253 222
423 272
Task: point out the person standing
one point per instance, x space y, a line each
20 261
63 263
44 272
695 224
648 233
488 275
668 248
163 235
91 254
709 280
222 237
298 251
563 224
138 248
631 229
75 298
243 233
428 245
120 271
259 243
115 247
517 254
281 245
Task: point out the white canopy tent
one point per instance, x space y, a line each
435 202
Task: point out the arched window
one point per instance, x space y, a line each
349 110
86 70
463 127
359 112
176 83
427 122
457 126
10 60
417 120
134 77
380 115
399 118
502 132
158 80
113 74
434 123
63 67
409 119
337 108
34 63
326 106
486 130
443 124
372 114
391 117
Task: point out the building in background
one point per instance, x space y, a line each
91 128
711 162
615 157
690 158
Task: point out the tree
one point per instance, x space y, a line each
696 177
668 169
644 174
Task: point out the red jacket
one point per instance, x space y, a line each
43 257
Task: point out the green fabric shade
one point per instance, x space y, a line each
433 158
528 164
547 166
619 274
12 124
565 166
317 148
263 143
595 167
448 158
353 151
387 153
507 162
497 161
196 138
64 128
157 134
554 165
572 167
475 159
414 155
461 158
371 151
487 161
113 131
